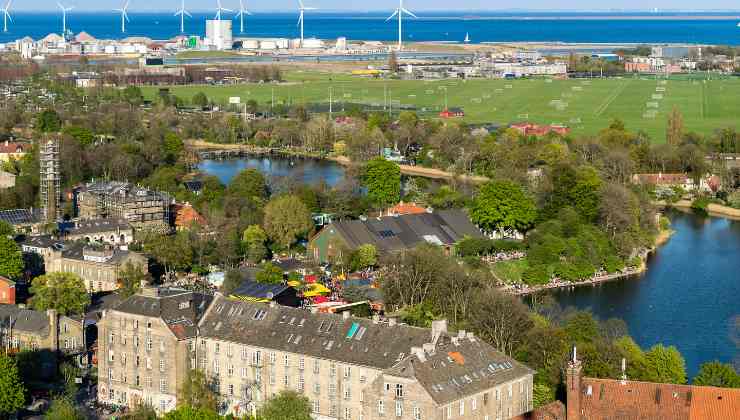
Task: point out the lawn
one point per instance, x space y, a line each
510 271
584 105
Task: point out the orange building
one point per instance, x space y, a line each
7 291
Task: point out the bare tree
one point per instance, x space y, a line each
500 319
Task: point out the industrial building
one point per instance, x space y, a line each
219 34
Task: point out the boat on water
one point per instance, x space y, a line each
467 37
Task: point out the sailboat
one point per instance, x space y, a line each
467 37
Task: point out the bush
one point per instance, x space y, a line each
538 274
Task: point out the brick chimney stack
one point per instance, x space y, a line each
573 384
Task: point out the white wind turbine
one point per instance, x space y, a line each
242 11
399 12
64 17
6 15
124 15
302 8
182 13
220 9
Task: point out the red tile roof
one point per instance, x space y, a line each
530 129
406 208
8 147
186 215
609 399
660 179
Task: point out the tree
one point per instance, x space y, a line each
11 258
254 239
200 99
64 292
132 94
48 121
249 183
6 229
83 136
364 256
269 273
665 364
500 319
383 181
191 413
502 206
63 408
132 275
393 62
12 391
232 280
286 220
674 128
287 405
718 374
173 251
172 147
196 392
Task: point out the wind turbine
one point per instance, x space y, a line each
399 12
64 17
182 13
220 9
124 15
302 8
6 15
242 11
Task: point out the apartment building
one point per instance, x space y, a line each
145 346
349 368
355 368
139 206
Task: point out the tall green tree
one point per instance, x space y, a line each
383 181
63 408
269 273
501 206
249 183
286 220
287 405
200 99
12 390
132 275
718 374
254 239
6 229
197 392
64 292
49 121
191 413
665 364
11 258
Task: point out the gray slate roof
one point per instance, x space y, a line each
395 233
74 250
259 290
459 368
169 305
25 320
83 227
20 216
319 335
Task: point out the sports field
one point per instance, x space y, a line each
584 105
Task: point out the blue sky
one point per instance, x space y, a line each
378 4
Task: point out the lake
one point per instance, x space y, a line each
689 296
305 171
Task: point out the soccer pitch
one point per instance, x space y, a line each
586 106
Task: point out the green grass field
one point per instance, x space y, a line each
584 105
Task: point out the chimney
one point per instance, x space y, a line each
53 329
439 327
346 315
419 352
573 388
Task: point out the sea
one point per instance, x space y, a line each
608 28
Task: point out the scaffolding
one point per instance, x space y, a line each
50 180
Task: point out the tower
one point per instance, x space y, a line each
573 384
50 179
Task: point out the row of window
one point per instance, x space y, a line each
137 380
136 361
399 409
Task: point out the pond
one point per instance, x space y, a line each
305 171
689 297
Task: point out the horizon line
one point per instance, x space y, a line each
508 10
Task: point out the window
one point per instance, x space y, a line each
110 374
333 370
192 363
230 370
286 360
162 405
163 385
449 411
137 380
244 372
286 380
347 392
137 362
381 408
300 383
111 337
123 359
272 376
217 348
258 378
509 390
332 390
148 344
316 406
136 341
301 363
362 376
462 408
417 413
316 366
485 399
256 357
231 389
399 390
149 381
347 413
111 356
333 410
317 388
386 387
245 353
273 357
474 404
399 408
161 365
347 371
498 395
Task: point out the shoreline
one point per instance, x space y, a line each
714 210
662 237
